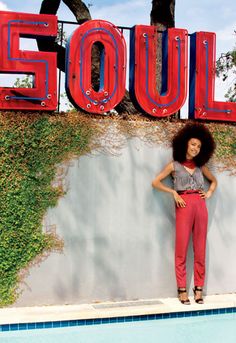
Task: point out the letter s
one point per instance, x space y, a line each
43 95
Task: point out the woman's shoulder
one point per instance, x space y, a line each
176 165
169 167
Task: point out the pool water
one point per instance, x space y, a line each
220 328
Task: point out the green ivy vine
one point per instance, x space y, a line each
31 146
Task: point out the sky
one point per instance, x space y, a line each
217 16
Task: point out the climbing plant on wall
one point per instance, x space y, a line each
30 148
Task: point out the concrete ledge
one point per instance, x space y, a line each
110 309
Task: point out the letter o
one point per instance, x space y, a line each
112 67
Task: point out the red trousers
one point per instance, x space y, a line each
191 219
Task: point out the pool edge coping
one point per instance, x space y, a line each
112 320
41 316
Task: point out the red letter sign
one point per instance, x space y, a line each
143 88
112 67
42 64
202 81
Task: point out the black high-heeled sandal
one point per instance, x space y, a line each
180 291
198 300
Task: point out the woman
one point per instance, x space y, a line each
193 146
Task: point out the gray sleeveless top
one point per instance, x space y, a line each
183 180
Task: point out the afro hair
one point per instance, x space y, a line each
193 130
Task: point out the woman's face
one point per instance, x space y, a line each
193 148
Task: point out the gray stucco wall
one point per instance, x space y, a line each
119 234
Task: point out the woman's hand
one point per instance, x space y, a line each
205 195
178 200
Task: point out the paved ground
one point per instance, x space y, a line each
110 309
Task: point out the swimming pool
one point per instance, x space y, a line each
215 328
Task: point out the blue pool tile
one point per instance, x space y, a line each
48 325
173 315
207 312
14 327
39 325
22 326
121 319
56 324
105 320
151 317
138 318
31 326
113 320
129 319
81 322
5 327
98 320
89 321
159 316
166 315
64 323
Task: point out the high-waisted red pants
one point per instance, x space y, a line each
192 218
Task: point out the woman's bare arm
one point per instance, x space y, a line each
213 183
158 184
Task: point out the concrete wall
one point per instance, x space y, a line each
119 234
